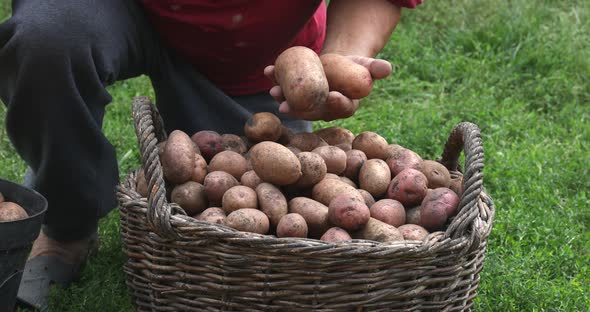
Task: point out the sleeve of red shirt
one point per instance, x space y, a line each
411 4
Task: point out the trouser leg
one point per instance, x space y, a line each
56 58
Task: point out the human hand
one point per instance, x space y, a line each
337 105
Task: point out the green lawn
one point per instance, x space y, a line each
521 71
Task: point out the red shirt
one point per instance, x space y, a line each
231 41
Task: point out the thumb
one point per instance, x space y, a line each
378 68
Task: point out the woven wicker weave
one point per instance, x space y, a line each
176 263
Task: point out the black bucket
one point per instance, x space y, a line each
16 239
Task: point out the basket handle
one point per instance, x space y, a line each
149 129
466 137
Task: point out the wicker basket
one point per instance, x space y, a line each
176 263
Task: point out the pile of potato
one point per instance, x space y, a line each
10 211
329 184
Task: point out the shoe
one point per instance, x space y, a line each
52 262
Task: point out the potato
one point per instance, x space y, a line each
331 175
436 174
432 215
10 211
286 135
191 197
200 170
306 142
239 197
335 234
272 202
457 185
314 213
275 163
393 149
413 215
408 187
354 161
369 200
374 177
372 144
313 169
334 157
213 215
161 146
294 149
232 142
389 211
349 182
178 158
445 197
250 179
248 220
335 135
263 126
142 184
216 183
413 232
327 189
292 225
209 143
344 146
379 231
402 159
348 212
2 195
300 73
347 77
230 162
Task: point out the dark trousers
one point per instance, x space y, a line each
56 58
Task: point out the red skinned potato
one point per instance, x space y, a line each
445 197
379 231
348 212
374 177
230 162
275 163
10 211
286 135
209 143
292 225
335 135
216 183
248 220
372 144
349 182
263 126
334 157
191 197
335 234
313 169
213 215
432 215
402 159
178 158
389 211
354 161
408 187
272 202
300 73
347 77
232 142
413 232
314 213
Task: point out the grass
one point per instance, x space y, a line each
518 69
